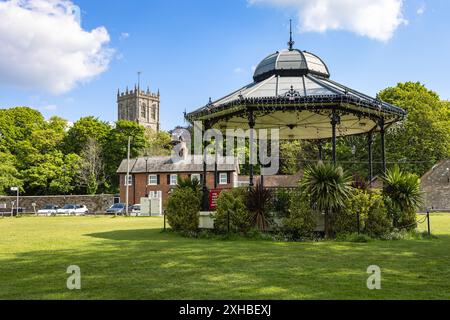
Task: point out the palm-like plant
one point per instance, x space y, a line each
258 203
403 189
327 187
189 183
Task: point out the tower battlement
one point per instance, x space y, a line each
139 106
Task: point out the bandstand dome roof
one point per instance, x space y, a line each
292 91
291 63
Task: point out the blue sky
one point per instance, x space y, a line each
193 50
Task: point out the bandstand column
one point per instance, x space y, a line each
370 148
383 145
320 146
205 195
251 124
334 122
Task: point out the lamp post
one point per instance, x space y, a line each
146 157
127 178
17 201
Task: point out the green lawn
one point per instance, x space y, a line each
129 258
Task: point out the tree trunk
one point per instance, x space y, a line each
327 224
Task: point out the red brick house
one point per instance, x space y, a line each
160 174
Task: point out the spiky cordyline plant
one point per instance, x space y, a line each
258 203
327 187
403 189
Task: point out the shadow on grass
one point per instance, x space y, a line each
131 235
149 264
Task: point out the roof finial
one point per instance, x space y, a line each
291 42
139 79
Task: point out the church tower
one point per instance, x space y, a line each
139 106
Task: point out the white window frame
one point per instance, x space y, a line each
128 180
173 179
152 180
221 176
196 176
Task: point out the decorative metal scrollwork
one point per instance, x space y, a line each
292 94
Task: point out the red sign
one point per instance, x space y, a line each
213 197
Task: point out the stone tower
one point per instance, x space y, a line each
139 106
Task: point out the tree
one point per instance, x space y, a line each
82 130
115 148
157 143
9 176
327 187
52 173
91 172
290 152
424 138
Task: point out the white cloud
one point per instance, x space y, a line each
376 19
238 70
124 36
44 47
50 107
422 9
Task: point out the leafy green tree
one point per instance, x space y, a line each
17 125
9 176
158 143
327 188
290 153
424 138
116 144
52 173
82 130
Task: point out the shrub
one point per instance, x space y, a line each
378 222
359 202
183 210
302 220
282 203
232 203
354 237
373 215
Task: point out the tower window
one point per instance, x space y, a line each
154 112
143 113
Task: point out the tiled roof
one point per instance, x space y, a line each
166 164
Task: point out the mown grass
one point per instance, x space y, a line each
130 258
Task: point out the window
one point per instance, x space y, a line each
154 112
129 181
223 178
196 176
153 180
173 179
143 112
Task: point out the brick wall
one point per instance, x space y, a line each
436 187
95 204
139 187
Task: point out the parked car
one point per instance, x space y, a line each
73 209
136 210
48 210
117 208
